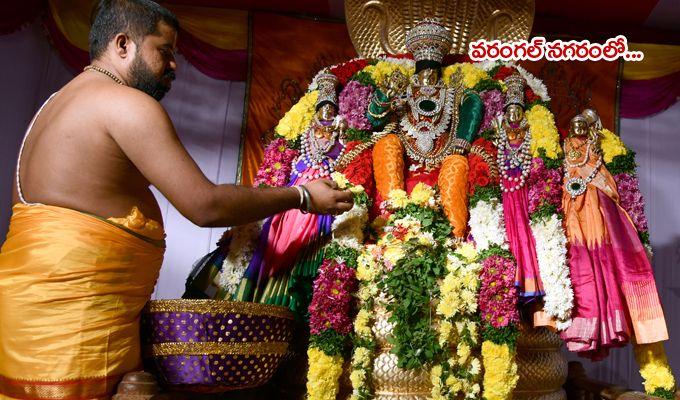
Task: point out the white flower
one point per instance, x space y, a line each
348 227
487 225
551 254
486 65
534 83
241 249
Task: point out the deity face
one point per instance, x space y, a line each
428 77
326 112
514 113
579 127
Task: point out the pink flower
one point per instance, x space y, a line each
277 164
498 294
545 186
353 104
631 199
493 107
332 303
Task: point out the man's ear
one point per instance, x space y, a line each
124 47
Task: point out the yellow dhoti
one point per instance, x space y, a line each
72 287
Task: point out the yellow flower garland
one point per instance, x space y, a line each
544 133
471 74
500 371
654 367
298 118
611 145
383 69
323 376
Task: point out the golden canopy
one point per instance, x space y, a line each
379 26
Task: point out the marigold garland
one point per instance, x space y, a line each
654 368
544 133
324 373
298 118
471 74
500 371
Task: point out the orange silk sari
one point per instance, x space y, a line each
72 287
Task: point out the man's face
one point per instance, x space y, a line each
326 112
153 68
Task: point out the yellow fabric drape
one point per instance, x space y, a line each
72 287
223 28
660 60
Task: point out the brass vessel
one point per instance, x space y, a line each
542 367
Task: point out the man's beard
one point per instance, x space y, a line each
142 78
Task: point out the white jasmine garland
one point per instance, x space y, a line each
404 62
551 254
487 224
486 65
241 249
348 227
534 83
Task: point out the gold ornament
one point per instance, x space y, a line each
379 26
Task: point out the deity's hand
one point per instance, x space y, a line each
470 116
327 198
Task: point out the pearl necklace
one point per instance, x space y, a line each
318 163
576 186
509 158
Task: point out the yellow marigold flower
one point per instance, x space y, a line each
611 145
398 198
454 384
358 378
654 367
366 267
500 371
340 179
362 357
463 351
383 69
361 323
357 189
421 194
298 118
323 375
544 133
445 328
467 250
471 74
393 254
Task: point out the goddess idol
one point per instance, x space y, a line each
613 282
437 122
288 249
514 158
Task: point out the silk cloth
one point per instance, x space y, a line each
615 294
72 287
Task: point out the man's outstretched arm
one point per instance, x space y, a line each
144 132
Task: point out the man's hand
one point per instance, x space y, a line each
327 199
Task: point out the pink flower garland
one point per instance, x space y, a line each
545 186
493 107
631 199
498 294
276 165
353 104
332 298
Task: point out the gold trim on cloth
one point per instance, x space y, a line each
87 388
217 306
220 348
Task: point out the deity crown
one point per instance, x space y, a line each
327 84
515 93
429 40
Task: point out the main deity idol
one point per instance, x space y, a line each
437 122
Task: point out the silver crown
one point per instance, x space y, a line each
592 117
327 84
515 93
430 40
